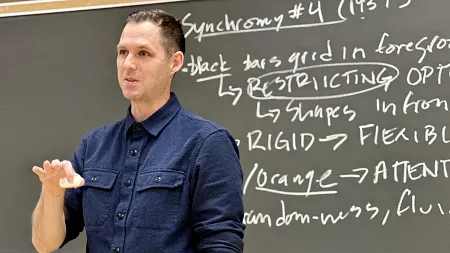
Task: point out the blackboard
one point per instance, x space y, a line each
340 109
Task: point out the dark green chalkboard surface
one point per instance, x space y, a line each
340 109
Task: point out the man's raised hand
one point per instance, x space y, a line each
56 176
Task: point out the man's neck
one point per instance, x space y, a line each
143 109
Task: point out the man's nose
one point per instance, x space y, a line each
129 62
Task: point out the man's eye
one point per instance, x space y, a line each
144 53
121 52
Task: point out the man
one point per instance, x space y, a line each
160 180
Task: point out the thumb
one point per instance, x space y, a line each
68 170
79 182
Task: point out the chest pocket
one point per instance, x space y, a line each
157 199
97 195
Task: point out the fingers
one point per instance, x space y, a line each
47 166
78 181
81 182
68 170
63 169
72 180
38 170
57 172
56 164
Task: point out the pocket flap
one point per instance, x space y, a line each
99 178
159 179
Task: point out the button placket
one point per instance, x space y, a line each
138 126
132 154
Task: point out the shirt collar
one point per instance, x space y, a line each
158 120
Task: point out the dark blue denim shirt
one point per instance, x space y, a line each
170 184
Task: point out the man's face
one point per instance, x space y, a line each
143 70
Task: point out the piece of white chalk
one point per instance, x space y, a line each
77 182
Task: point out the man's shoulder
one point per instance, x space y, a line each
105 130
204 126
204 130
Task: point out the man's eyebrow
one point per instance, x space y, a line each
139 47
145 47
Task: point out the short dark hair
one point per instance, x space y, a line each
171 29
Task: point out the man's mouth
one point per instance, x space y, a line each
131 79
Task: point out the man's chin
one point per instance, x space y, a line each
130 95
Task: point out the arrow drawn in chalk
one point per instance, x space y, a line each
342 136
361 177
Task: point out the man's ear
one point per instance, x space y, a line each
177 61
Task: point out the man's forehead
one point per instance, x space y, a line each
141 29
143 34
137 42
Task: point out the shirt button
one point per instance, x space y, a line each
138 126
116 250
158 179
127 183
133 152
121 216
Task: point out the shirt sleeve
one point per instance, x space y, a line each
72 203
217 206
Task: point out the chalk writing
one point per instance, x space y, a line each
424 46
283 85
408 204
230 25
260 63
259 140
235 92
235 25
286 217
306 57
312 9
426 74
198 66
410 105
359 7
400 171
301 112
377 135
272 183
327 117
